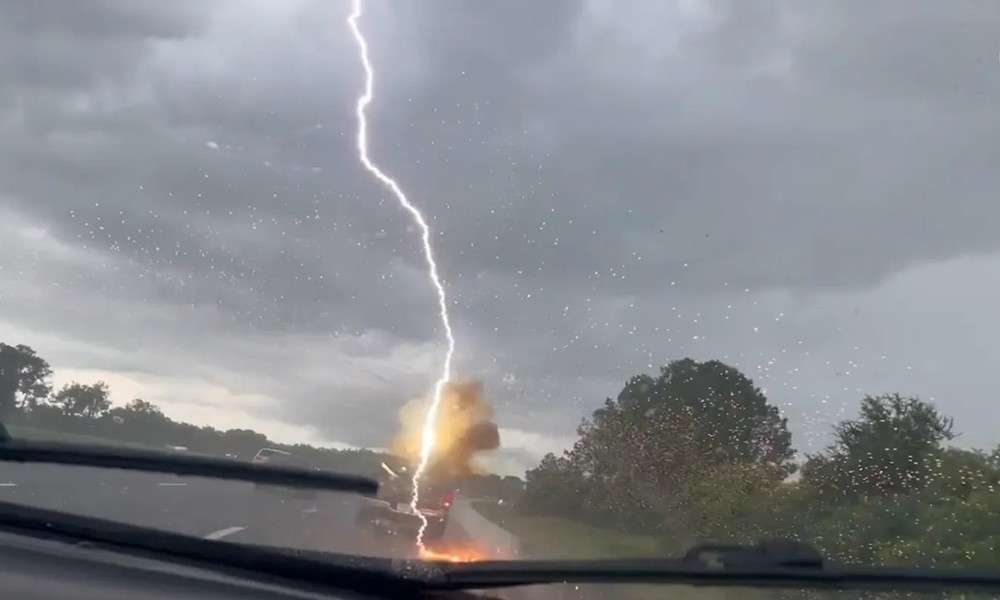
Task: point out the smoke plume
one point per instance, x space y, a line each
465 429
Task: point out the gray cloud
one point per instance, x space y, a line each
52 46
604 182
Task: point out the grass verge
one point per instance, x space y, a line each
556 538
551 537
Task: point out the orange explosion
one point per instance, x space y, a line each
463 432
464 429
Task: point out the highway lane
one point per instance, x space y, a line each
236 512
233 511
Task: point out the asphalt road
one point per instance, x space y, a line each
233 511
236 512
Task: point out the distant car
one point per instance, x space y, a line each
287 459
390 509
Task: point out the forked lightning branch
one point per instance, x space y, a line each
366 97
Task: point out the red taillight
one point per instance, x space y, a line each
448 498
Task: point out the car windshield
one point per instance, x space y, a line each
605 278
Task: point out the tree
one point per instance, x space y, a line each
141 407
731 501
637 465
887 491
958 473
82 400
137 412
22 372
554 487
891 448
638 457
730 419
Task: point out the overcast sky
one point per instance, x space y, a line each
805 190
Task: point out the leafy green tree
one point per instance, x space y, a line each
887 491
959 473
22 372
554 487
739 502
730 418
83 400
963 532
638 457
891 448
138 412
138 406
636 465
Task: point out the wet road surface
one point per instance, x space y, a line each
234 511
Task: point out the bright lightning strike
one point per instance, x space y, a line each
430 421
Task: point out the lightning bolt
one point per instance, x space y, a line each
430 420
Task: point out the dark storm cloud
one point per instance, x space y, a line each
99 20
53 45
572 163
840 159
469 45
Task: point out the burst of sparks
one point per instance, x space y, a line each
430 421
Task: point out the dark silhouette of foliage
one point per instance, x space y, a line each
22 373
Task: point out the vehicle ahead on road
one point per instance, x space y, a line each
49 554
391 510
282 458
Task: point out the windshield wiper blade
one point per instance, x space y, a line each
154 461
774 564
344 572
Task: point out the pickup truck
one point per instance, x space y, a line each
390 510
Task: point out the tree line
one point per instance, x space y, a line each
84 412
697 453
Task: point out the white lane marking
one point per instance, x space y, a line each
218 535
8 485
171 484
309 511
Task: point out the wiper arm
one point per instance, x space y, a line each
362 574
775 564
180 464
